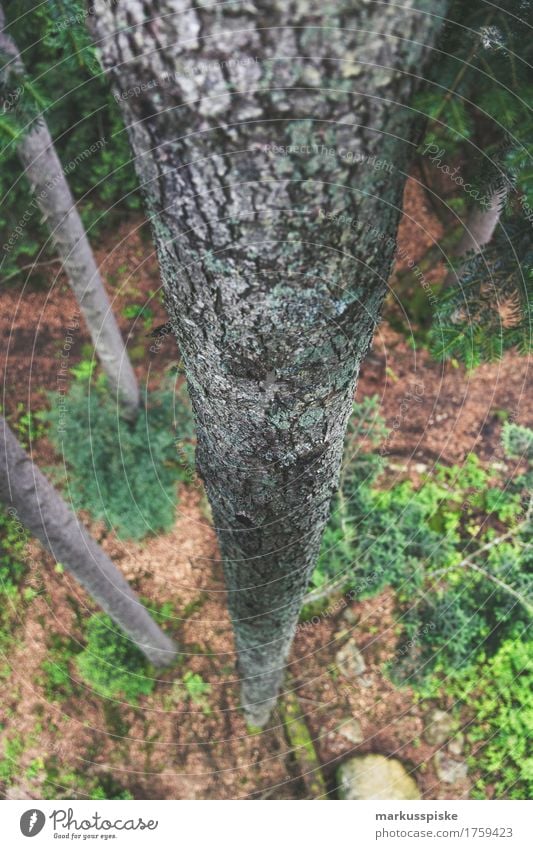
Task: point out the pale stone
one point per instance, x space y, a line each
439 727
375 777
350 661
449 770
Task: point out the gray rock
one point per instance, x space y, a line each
352 731
350 662
448 769
440 727
375 777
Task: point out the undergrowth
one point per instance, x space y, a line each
68 784
13 540
497 700
457 552
455 549
123 474
111 663
15 594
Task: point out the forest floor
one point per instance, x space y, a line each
167 746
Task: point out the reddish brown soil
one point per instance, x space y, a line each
169 748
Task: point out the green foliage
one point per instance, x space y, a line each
517 441
121 473
14 595
56 680
34 768
112 664
84 370
491 310
65 84
107 788
9 762
29 426
481 124
13 539
483 82
497 694
140 311
463 584
457 552
195 689
62 784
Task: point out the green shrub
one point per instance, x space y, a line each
497 694
56 678
28 425
517 441
111 663
125 475
9 763
461 589
13 539
193 688
457 552
61 784
107 788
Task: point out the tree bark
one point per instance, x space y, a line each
40 508
479 228
272 142
48 183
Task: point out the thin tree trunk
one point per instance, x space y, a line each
40 508
478 229
272 144
47 179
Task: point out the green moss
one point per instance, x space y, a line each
302 745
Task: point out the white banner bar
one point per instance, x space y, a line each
266 825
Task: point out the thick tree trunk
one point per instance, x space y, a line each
43 512
45 174
272 144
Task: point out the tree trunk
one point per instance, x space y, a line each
45 174
272 143
479 228
40 508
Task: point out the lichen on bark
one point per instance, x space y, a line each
272 142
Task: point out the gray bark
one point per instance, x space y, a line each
275 266
40 508
48 183
478 230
